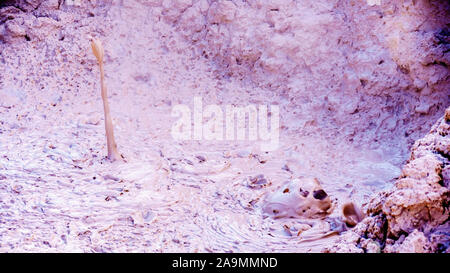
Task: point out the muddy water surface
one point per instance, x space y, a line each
60 194
57 192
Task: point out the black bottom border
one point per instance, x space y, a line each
215 262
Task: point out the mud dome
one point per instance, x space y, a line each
357 84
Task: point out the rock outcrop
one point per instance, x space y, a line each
413 216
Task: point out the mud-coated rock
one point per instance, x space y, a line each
302 197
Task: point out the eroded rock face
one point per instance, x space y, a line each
413 216
302 197
382 64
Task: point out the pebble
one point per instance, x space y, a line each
258 182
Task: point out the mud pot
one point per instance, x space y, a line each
356 84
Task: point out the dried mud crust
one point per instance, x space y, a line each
414 215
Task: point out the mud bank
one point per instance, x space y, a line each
356 71
357 84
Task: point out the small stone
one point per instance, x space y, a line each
258 182
200 158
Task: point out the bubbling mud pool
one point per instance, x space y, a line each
58 193
62 195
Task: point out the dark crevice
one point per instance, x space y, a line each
384 229
437 63
443 154
16 4
7 3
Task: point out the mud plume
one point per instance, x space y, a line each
99 52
